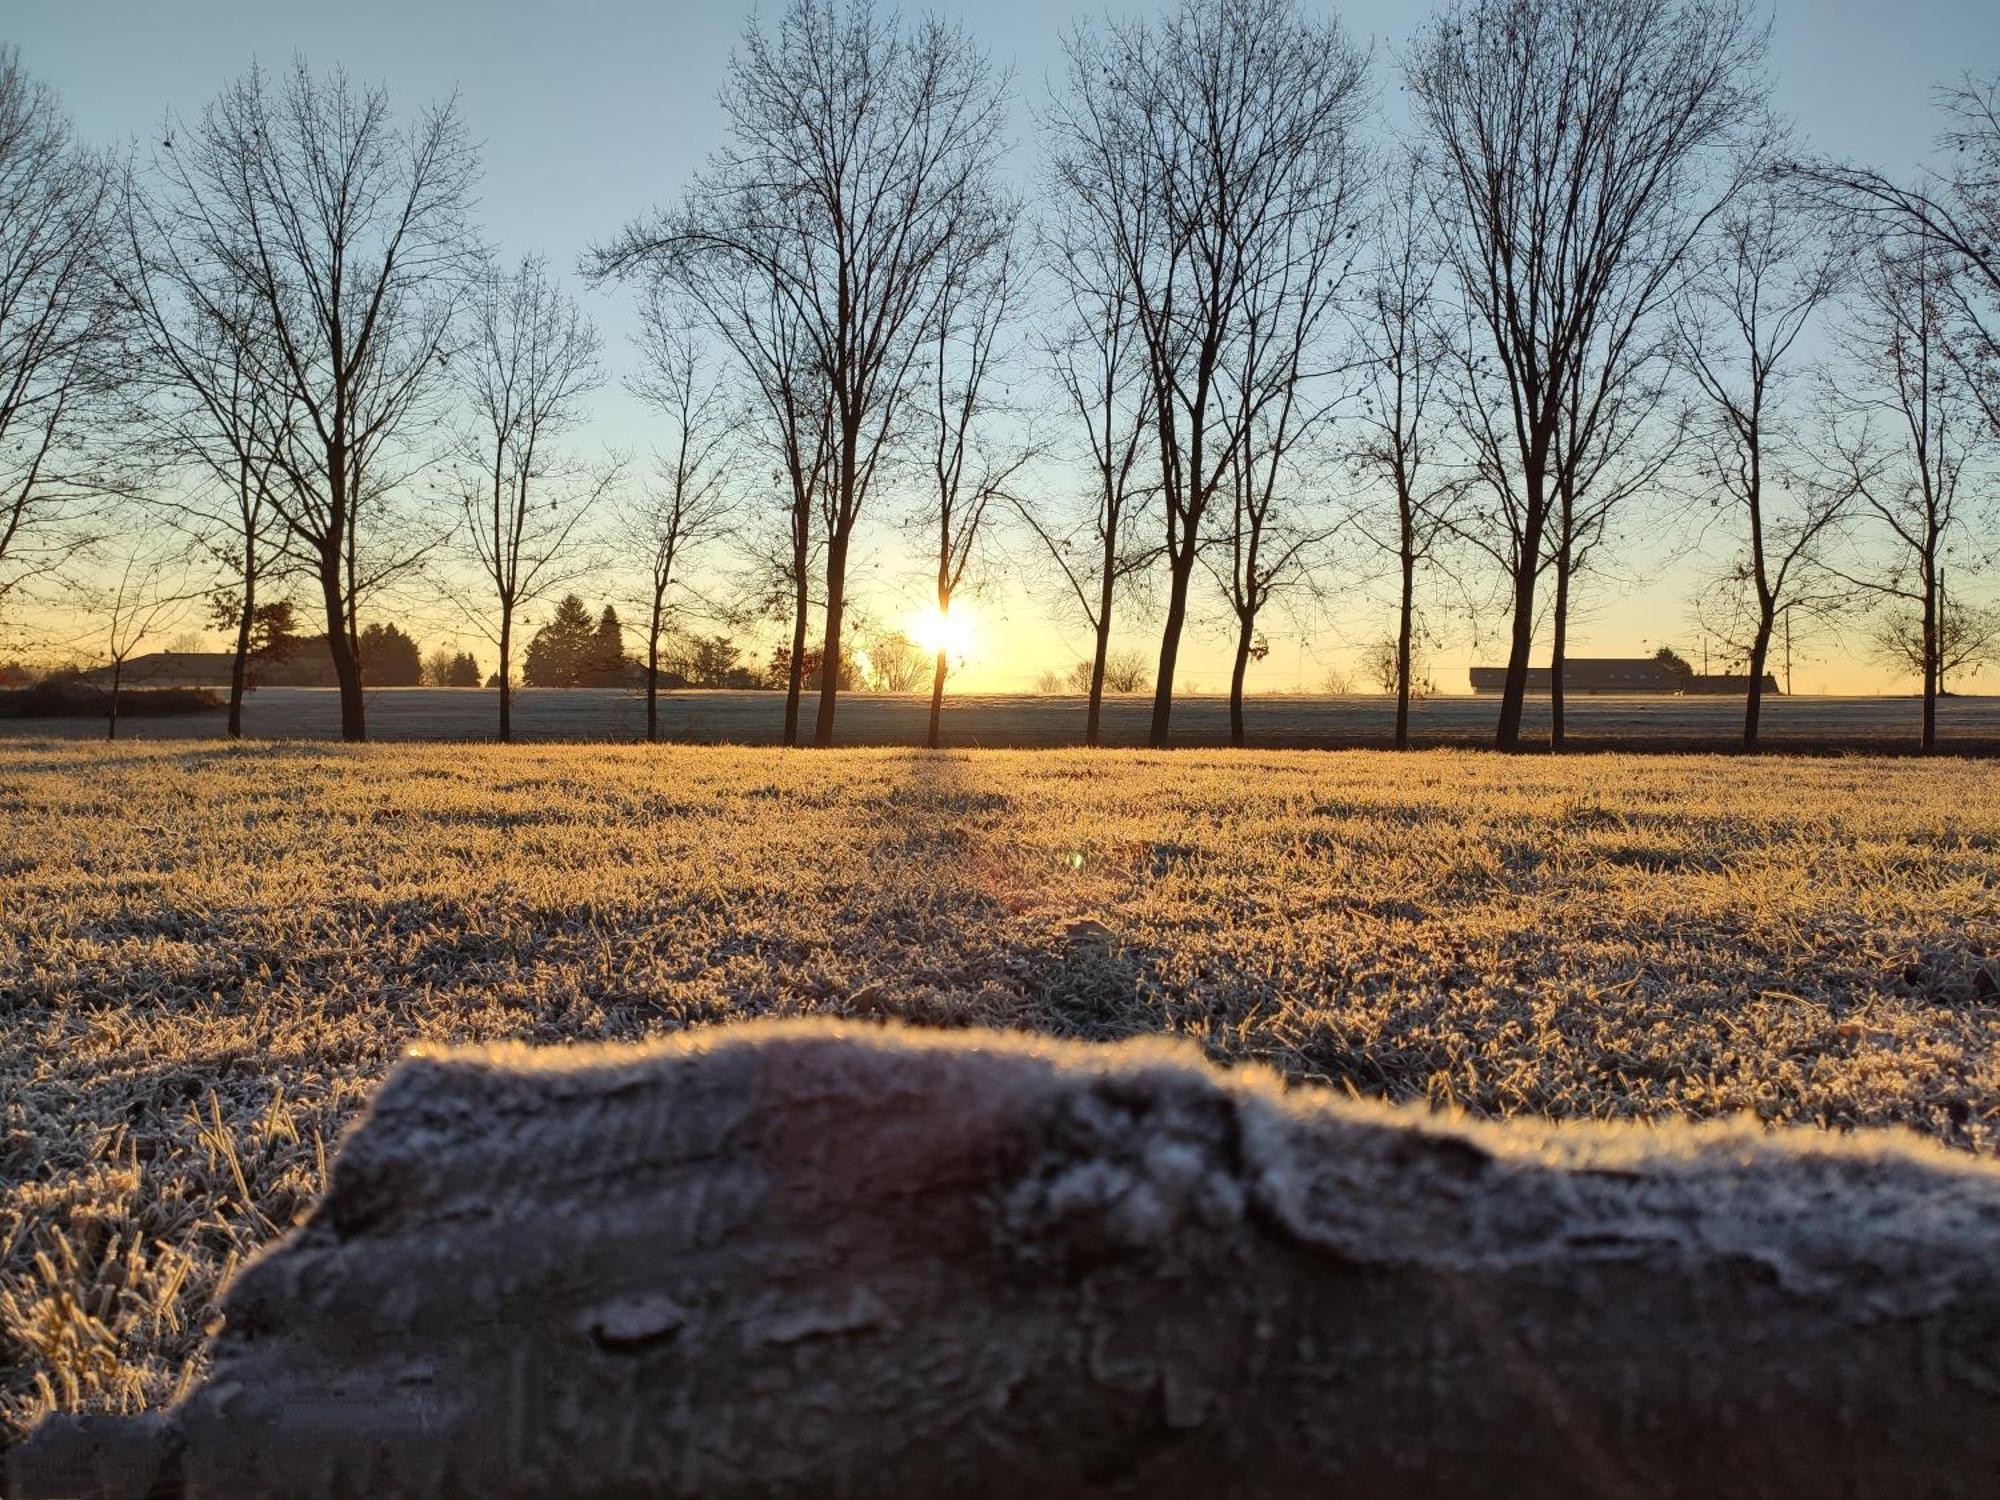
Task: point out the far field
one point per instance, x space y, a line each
1966 725
210 955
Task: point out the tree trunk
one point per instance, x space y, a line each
1245 635
829 668
239 666
1093 714
1760 652
1760 579
1513 697
823 1261
506 674
931 739
653 669
352 592
1093 717
1929 736
795 678
1405 621
346 665
1558 648
1161 732
111 720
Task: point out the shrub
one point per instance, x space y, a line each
446 668
65 698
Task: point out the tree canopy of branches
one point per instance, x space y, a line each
1097 361
859 172
1957 211
1404 443
1397 666
336 244
1967 638
1908 436
687 505
61 373
215 420
531 361
1737 328
1208 153
972 463
145 598
893 663
1123 673
786 419
1582 145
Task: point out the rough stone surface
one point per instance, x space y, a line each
823 1260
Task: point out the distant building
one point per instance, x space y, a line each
175 669
308 663
1586 675
1730 682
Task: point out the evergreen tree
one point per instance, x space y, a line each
606 657
464 671
389 658
561 653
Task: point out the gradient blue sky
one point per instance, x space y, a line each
591 111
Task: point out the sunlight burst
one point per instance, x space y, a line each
936 630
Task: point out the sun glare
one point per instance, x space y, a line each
936 631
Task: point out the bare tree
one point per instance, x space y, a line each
1581 146
859 171
213 413
344 240
1398 666
1967 638
686 506
894 663
1957 211
971 462
1619 429
1907 433
1737 328
150 595
530 363
1271 534
1403 423
60 325
1096 359
1199 149
788 416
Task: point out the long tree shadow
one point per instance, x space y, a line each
975 925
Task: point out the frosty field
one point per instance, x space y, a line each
1966 725
210 954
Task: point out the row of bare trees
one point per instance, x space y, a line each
1591 303
277 340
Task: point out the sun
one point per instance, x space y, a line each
936 630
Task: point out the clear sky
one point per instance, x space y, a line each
591 111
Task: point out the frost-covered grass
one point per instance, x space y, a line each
209 955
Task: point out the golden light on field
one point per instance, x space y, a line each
937 630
